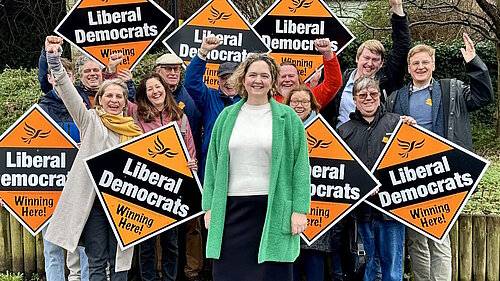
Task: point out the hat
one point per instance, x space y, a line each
227 68
168 59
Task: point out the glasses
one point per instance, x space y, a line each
169 68
303 102
363 96
424 63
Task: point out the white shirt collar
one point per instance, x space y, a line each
423 87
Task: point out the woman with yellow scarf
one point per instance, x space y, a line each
78 212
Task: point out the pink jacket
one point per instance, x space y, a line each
161 121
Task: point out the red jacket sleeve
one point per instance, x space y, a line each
326 90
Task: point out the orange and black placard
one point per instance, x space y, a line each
35 158
222 19
100 28
339 180
289 28
148 188
426 180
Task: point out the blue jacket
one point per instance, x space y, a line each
210 102
55 108
193 115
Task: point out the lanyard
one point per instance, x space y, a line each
430 88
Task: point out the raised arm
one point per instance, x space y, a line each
65 88
193 80
326 90
480 91
395 65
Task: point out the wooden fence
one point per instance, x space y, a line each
475 241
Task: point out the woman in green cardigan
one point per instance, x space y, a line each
257 185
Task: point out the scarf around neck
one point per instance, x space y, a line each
124 126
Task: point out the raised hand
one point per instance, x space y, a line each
124 74
53 40
114 60
209 43
397 7
324 47
469 52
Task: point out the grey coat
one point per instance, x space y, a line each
78 195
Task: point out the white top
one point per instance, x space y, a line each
250 148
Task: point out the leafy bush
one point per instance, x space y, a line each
19 90
9 276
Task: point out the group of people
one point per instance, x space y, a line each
254 156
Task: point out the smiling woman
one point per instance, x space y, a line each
257 180
78 214
156 107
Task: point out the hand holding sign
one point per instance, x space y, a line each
114 60
324 47
408 120
209 43
125 75
315 79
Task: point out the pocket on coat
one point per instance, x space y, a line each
286 225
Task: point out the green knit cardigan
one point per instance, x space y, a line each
289 187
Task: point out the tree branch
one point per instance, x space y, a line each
492 12
484 32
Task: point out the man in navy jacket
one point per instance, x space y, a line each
209 101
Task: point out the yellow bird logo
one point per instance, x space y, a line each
409 146
217 15
315 143
297 4
33 133
160 149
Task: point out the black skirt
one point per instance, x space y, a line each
243 226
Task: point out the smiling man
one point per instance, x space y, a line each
372 61
369 124
443 107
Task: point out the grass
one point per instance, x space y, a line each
485 200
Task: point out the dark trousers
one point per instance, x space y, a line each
311 262
100 246
169 256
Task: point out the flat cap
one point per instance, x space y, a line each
168 59
227 68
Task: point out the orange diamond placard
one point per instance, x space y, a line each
100 28
222 19
339 180
149 188
289 28
426 180
35 158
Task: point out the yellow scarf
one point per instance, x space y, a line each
124 126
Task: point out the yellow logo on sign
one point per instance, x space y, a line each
297 4
409 146
33 133
217 15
